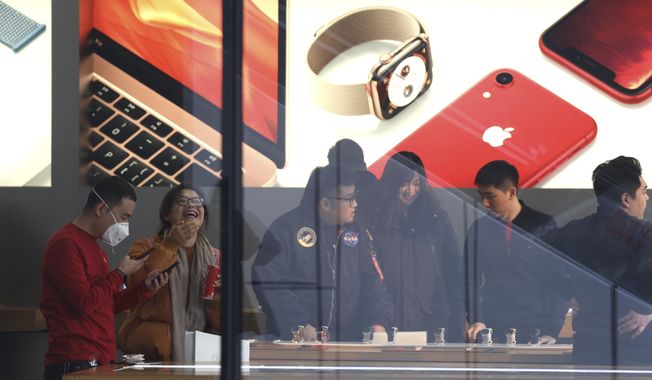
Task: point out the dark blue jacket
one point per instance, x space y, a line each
330 281
515 281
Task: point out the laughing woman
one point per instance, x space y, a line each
156 327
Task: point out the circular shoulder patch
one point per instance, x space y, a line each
350 238
306 237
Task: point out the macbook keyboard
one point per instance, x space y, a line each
127 140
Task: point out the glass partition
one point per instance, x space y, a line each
384 233
469 288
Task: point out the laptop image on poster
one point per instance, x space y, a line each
151 84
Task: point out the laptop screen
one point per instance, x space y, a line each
183 39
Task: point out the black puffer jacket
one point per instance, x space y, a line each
421 261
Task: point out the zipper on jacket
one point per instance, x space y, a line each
331 263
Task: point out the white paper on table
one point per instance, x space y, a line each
205 347
412 338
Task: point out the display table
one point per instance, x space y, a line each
446 353
280 360
285 360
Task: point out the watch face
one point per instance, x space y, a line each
407 81
396 84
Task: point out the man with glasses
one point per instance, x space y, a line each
347 152
315 269
79 292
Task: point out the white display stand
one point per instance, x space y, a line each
205 347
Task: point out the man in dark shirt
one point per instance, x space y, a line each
615 245
513 275
314 267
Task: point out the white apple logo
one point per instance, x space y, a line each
495 135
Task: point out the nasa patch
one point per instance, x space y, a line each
306 237
350 238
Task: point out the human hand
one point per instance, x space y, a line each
547 339
309 333
156 279
213 313
184 230
129 265
473 331
378 328
635 322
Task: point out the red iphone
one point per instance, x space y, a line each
608 43
505 116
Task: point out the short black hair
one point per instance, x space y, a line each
112 190
499 173
168 202
613 178
325 182
348 153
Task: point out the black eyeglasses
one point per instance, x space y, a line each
349 200
195 201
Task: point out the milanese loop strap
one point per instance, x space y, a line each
351 29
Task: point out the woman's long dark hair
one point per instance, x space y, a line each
384 205
168 202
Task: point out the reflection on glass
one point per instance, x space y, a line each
514 283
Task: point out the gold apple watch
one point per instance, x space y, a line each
399 77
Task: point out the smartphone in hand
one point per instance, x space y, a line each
169 269
608 43
505 116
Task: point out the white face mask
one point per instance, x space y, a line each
117 232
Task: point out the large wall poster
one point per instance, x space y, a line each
469 39
26 81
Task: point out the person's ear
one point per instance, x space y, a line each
511 192
324 204
625 200
99 208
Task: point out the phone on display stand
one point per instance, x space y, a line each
505 116
608 43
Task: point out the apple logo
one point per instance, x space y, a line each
495 135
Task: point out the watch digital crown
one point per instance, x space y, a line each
399 77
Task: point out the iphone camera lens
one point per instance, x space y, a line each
504 79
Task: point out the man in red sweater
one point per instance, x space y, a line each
79 291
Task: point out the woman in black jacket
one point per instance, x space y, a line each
417 249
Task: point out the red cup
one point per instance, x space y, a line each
212 276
